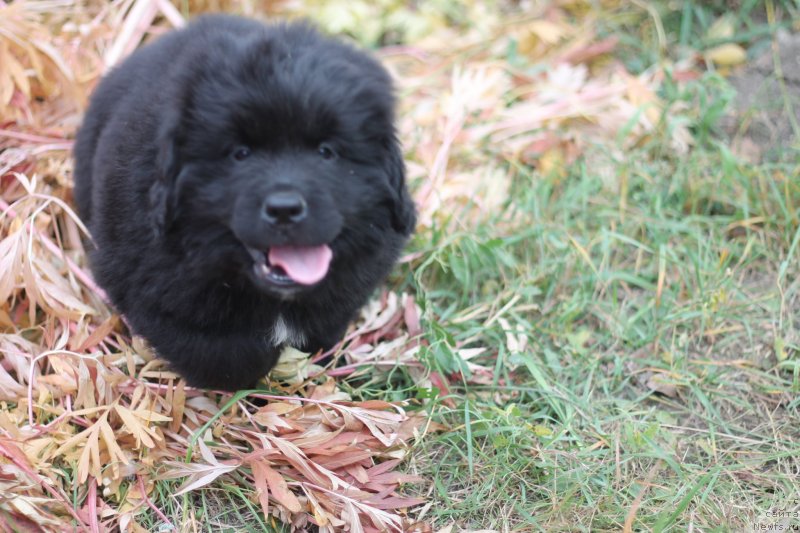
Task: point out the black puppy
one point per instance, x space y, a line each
245 190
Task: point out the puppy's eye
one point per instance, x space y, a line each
241 153
326 151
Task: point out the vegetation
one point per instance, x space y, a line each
596 327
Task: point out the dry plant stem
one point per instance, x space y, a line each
30 137
150 504
335 405
171 13
349 369
137 24
92 501
53 147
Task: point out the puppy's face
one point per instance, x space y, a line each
285 165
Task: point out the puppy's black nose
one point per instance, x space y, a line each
285 207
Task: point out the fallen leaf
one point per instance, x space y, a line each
727 55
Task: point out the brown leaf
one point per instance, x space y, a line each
658 384
262 487
280 490
99 334
345 458
178 405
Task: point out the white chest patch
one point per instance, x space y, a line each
283 333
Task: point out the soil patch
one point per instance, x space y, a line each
764 122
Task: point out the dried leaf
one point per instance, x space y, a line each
280 490
659 384
198 475
727 55
722 28
137 423
261 485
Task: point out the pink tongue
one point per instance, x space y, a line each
304 264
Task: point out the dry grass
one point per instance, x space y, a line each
89 420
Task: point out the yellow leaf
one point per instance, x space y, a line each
547 31
18 74
644 98
780 349
723 28
136 423
540 32
89 462
114 451
86 390
133 425
552 163
6 82
727 55
6 91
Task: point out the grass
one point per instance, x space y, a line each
617 340
652 331
658 295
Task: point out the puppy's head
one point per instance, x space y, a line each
280 160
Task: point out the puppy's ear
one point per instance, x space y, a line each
168 167
404 215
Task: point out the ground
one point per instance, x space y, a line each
595 328
766 110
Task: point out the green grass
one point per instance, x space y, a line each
578 421
660 379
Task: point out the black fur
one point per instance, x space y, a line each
172 211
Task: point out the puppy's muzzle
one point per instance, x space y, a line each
284 208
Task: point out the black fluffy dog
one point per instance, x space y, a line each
244 188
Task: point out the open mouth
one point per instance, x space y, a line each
274 274
289 266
